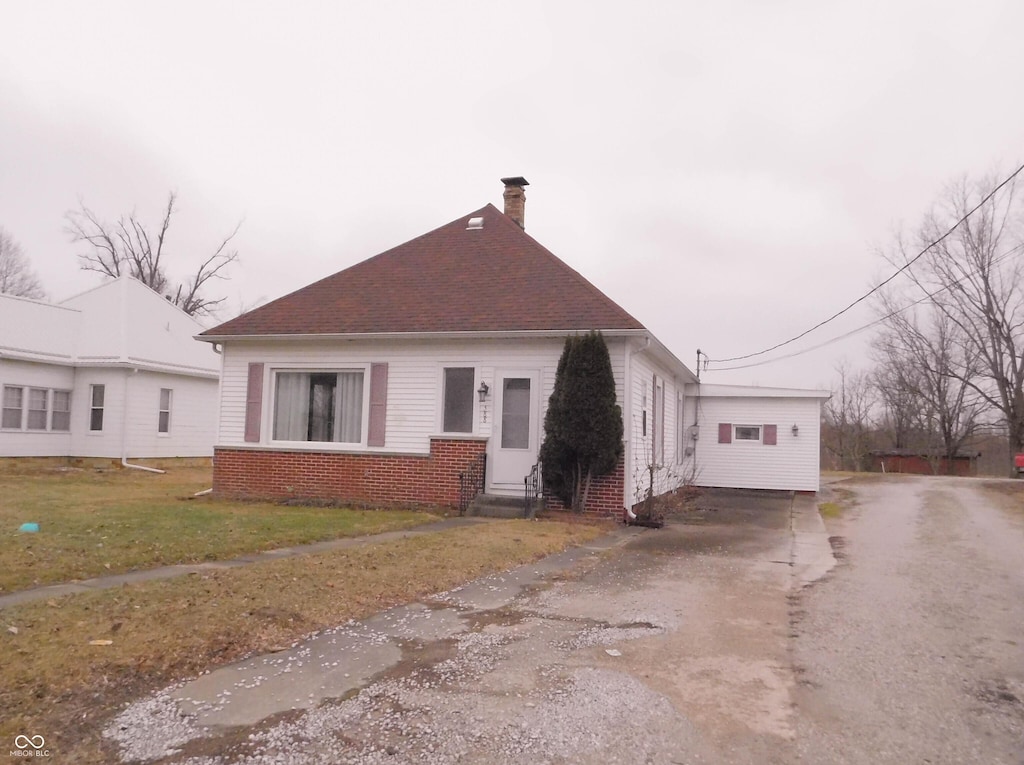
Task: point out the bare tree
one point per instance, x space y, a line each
925 367
973 277
899 400
849 414
16 274
128 247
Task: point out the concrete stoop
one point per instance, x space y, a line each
493 506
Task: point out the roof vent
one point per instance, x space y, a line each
474 223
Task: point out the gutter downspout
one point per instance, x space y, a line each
630 515
124 429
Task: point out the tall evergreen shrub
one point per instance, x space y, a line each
583 425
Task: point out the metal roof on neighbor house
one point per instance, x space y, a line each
488 277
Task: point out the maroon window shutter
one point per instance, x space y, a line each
725 432
378 404
771 435
254 403
654 417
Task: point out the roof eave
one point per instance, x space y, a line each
478 335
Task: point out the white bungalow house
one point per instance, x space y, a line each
114 372
384 382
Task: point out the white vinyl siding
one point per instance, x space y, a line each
652 430
790 464
415 380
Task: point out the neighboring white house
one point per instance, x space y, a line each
385 381
113 372
756 438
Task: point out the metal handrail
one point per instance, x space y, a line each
472 481
531 489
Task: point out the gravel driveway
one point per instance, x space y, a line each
912 650
691 644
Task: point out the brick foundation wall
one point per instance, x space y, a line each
386 479
605 497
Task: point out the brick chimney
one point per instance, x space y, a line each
515 199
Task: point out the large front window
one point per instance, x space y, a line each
319 406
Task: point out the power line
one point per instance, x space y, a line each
928 296
877 287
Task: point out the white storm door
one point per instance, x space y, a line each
515 442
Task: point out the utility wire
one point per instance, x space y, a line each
928 296
877 287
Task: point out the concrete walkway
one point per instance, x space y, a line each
169 572
812 556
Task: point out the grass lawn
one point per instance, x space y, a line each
55 683
111 521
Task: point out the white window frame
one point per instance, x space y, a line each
164 432
442 368
364 423
92 408
25 409
54 410
736 434
20 408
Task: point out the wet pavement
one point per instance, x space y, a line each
660 646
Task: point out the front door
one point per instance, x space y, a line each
515 443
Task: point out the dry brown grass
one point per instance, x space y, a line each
1008 495
54 683
97 522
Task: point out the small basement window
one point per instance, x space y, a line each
748 433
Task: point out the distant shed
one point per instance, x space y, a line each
924 462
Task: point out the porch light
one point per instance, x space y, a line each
483 391
796 430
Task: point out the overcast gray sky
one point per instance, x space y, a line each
725 171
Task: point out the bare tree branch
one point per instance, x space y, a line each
16 274
973 339
127 247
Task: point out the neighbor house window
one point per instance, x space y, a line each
96 396
12 407
60 418
748 433
319 406
458 399
38 409
164 421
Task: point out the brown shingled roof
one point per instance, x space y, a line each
494 279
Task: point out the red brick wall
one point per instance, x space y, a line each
605 497
364 478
